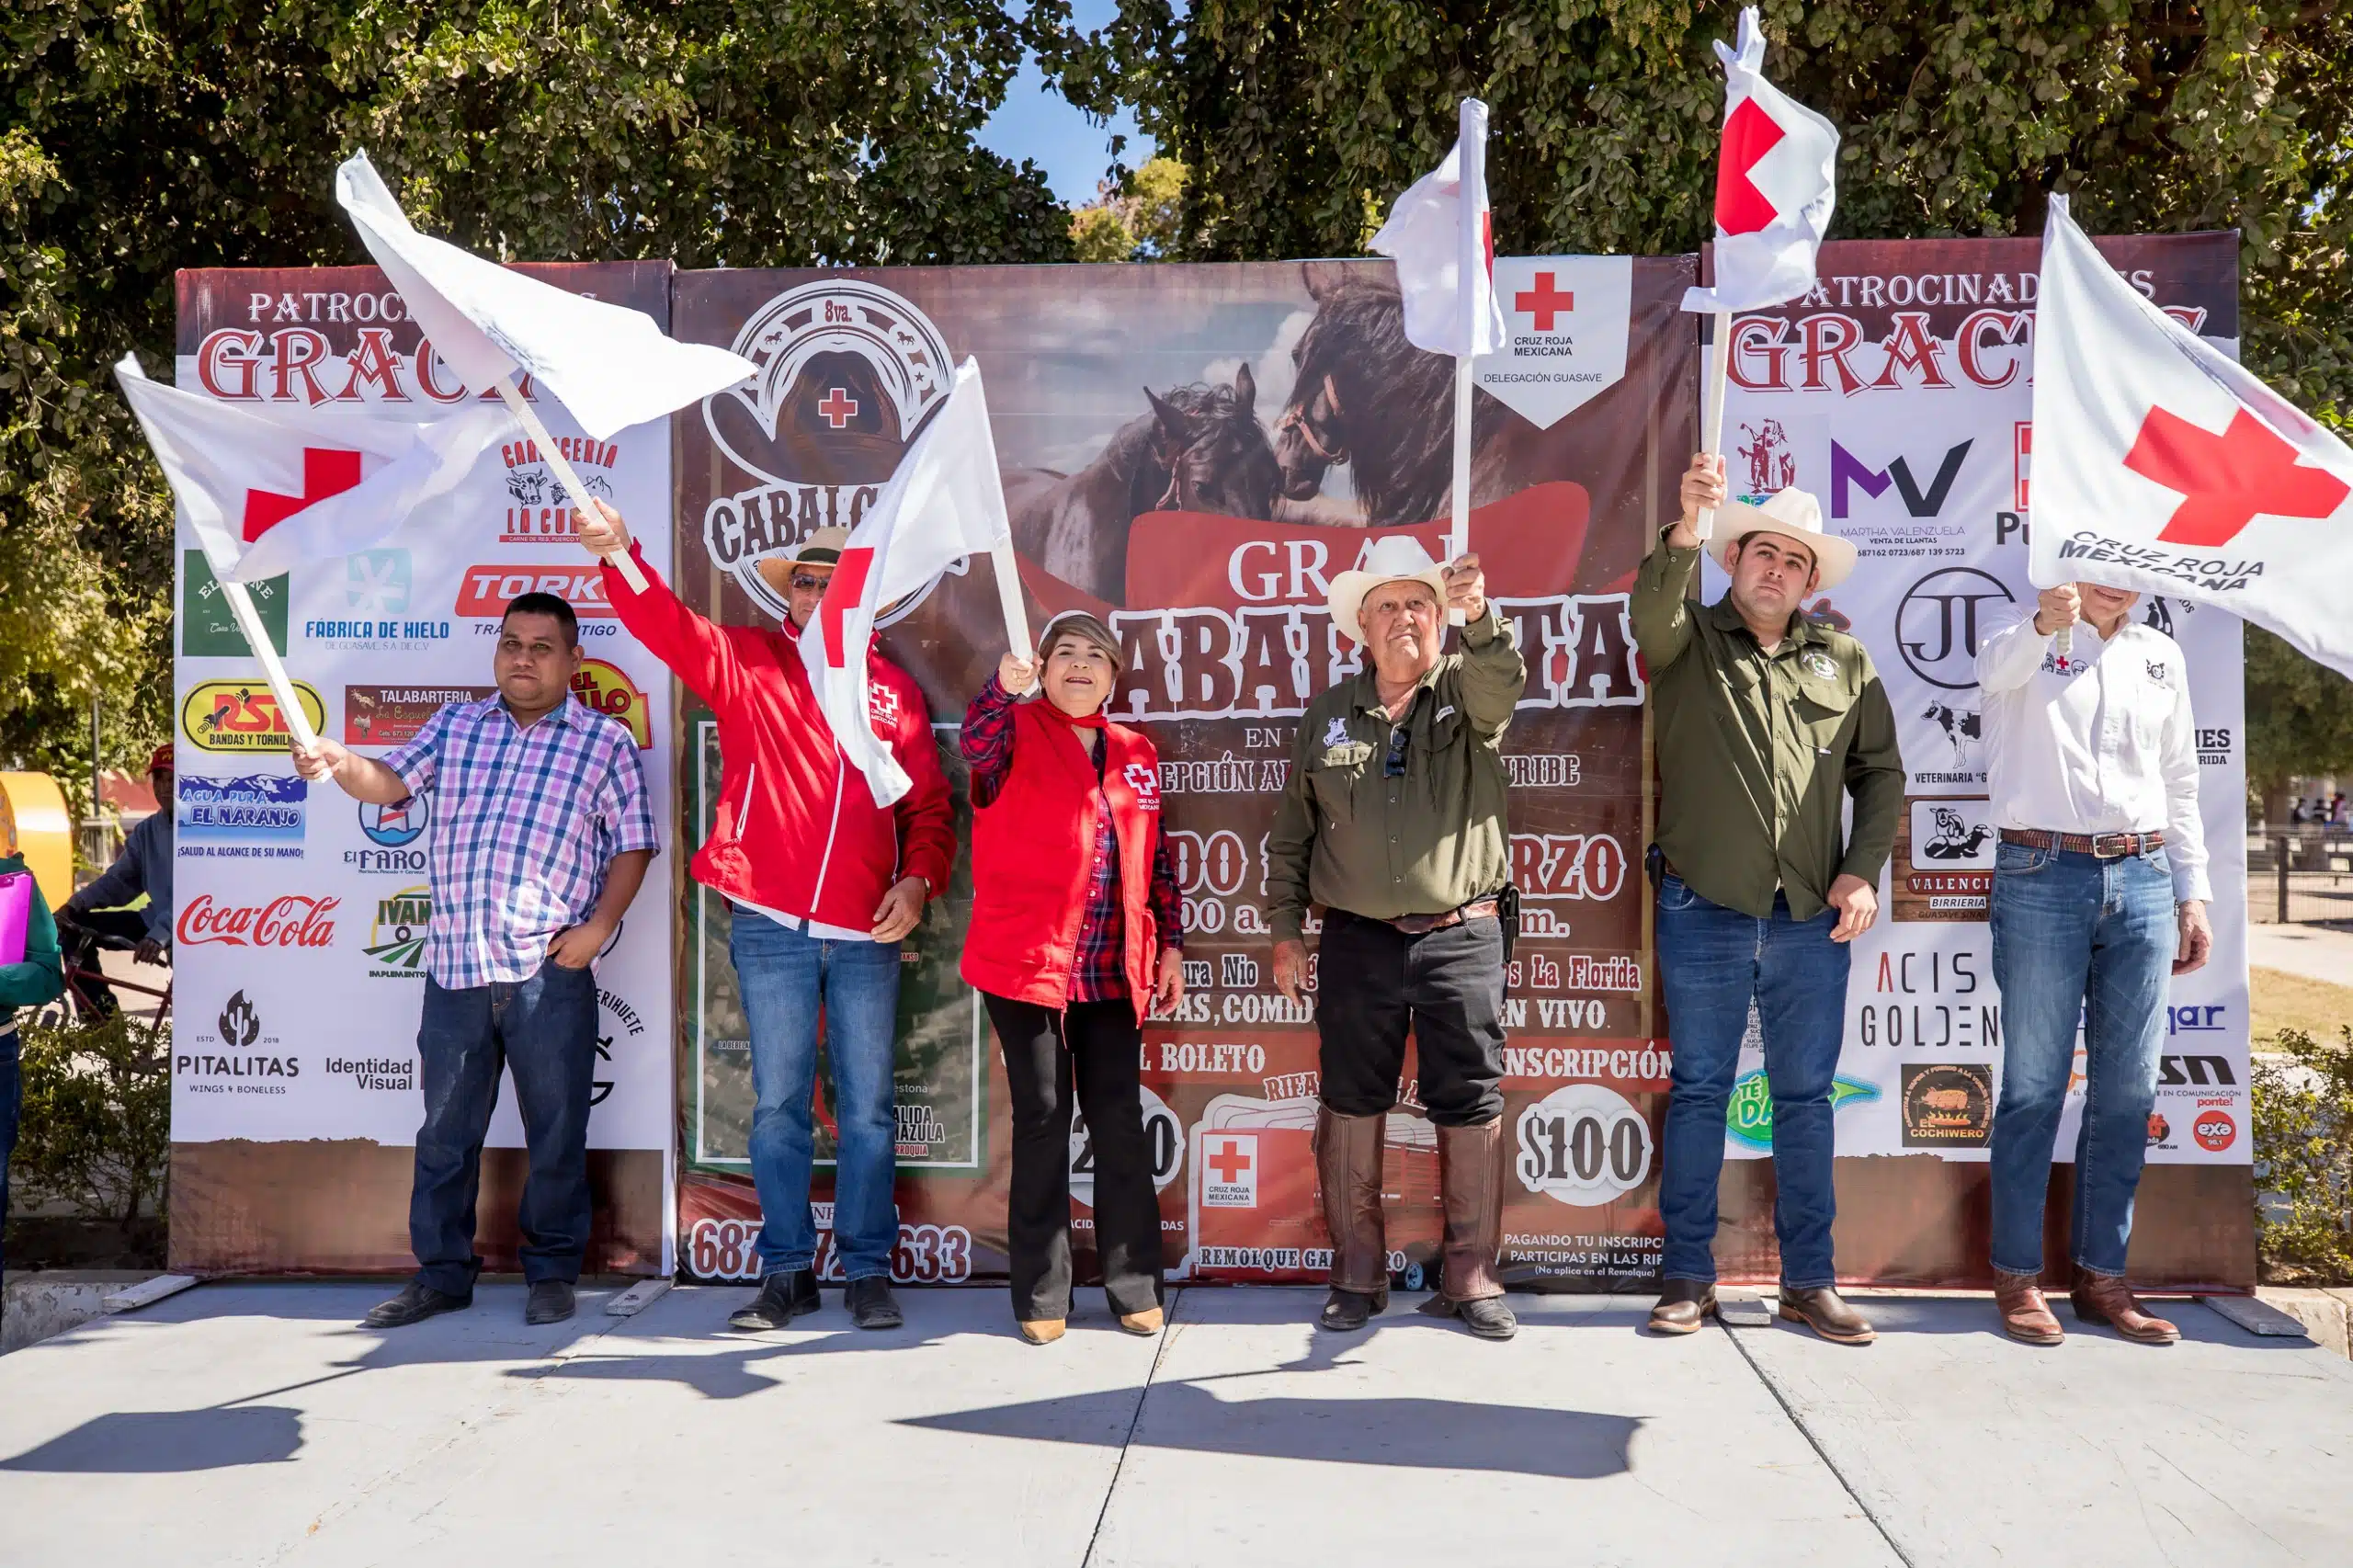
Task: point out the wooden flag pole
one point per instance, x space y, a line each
1458 539
1712 418
290 701
526 415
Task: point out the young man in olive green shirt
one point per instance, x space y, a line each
1763 724
1393 821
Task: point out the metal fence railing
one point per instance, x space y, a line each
2299 875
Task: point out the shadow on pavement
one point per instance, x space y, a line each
164 1442
1564 1445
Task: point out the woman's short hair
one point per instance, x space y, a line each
1079 624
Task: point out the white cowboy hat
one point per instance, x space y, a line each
1399 558
1796 514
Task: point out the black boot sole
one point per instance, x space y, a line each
371 1321
1375 1306
748 1320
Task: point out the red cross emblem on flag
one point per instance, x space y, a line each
1749 134
842 596
1545 302
2227 480
325 472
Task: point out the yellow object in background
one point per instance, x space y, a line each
35 824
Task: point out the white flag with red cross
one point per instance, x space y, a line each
1776 183
2160 465
1441 238
267 485
943 504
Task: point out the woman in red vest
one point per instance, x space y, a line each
1076 935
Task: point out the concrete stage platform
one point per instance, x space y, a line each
252 1424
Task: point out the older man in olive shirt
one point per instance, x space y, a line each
1393 821
1763 724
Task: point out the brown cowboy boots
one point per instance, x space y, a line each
1347 1168
2026 1317
1470 1181
2106 1298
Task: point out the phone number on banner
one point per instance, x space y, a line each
926 1254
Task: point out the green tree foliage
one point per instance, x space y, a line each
2299 721
1133 219
140 137
1300 120
2303 1160
96 1128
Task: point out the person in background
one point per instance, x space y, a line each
1392 820
824 885
1077 934
540 836
2099 896
38 977
144 866
1766 724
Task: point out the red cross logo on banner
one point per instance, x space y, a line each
1749 134
2227 480
838 407
1229 1161
325 472
842 596
1544 302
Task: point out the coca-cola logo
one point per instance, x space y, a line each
291 920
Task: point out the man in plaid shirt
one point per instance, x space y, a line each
542 835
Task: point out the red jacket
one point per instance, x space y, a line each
1033 847
796 829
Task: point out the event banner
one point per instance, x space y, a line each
1899 393
301 918
1192 452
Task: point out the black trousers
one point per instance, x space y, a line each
1098 1044
1373 983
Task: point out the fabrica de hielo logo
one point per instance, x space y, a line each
849 369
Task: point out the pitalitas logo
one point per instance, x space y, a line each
396 936
238 1056
375 601
255 816
847 370
242 716
394 834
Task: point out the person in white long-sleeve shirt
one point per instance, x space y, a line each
2099 895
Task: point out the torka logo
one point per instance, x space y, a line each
2227 480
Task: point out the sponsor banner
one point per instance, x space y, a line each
1898 394
302 913
1213 570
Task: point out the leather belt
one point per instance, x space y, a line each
1422 924
2106 846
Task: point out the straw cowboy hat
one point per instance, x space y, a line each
1791 513
822 548
1399 558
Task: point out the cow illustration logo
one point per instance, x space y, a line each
1963 727
849 371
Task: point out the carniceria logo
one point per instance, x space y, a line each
396 939
1749 1117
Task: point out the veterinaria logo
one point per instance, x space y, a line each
848 370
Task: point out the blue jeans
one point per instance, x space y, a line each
786 976
545 1030
2076 936
1713 962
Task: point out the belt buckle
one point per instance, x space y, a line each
2111 845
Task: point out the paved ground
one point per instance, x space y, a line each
249 1423
2317 952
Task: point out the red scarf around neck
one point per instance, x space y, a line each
1093 721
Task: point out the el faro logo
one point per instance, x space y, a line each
604 689
243 716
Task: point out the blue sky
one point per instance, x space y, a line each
1034 122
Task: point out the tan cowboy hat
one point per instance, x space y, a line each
822 548
1794 514
1399 558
